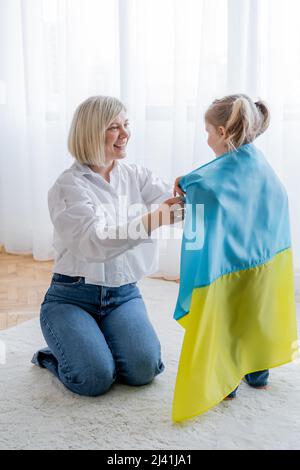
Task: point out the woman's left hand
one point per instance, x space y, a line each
176 188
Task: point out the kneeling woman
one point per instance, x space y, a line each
93 317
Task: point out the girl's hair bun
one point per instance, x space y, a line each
265 115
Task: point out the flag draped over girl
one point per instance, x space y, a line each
236 297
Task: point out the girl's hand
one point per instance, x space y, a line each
177 189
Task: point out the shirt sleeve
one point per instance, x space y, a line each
154 190
83 228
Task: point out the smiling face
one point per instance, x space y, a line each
116 137
216 139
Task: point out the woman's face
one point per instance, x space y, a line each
216 139
116 137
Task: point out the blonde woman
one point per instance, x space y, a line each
93 317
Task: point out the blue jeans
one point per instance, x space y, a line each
255 379
97 335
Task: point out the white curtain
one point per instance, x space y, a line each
166 59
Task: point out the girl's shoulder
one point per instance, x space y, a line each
214 171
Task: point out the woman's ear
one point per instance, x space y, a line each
222 131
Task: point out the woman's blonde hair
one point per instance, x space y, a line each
86 141
242 118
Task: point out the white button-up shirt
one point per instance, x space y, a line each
98 231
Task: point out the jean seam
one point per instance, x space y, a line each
66 284
47 325
160 362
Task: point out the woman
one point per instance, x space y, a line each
93 317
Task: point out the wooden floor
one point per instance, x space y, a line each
23 283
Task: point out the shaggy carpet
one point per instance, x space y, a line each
37 412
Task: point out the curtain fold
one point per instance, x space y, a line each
167 61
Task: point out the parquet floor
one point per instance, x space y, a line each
23 283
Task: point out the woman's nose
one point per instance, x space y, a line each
124 132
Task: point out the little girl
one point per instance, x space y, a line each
236 296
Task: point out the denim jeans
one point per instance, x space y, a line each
97 335
255 379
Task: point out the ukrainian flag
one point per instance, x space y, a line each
236 296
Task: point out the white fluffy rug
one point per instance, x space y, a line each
37 412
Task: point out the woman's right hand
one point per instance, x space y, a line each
169 212
172 210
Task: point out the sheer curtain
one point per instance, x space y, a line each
166 60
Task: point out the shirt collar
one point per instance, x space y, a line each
85 170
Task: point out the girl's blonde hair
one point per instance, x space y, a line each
242 118
86 141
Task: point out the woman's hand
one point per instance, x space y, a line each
177 189
169 212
